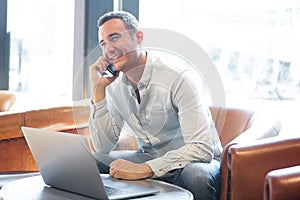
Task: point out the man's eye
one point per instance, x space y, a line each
102 44
114 38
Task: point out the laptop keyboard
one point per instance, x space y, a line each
113 191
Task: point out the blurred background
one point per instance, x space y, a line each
255 46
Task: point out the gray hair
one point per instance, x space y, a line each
131 23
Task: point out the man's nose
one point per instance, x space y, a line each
109 48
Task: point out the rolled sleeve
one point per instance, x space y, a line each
103 130
160 166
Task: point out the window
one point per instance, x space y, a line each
254 45
41 51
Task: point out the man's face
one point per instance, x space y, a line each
118 46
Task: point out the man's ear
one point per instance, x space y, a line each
139 36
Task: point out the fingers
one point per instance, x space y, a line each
114 169
121 169
100 64
98 67
99 83
114 173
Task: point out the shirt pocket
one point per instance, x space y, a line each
158 118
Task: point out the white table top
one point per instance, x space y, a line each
34 188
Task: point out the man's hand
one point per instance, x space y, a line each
124 169
98 84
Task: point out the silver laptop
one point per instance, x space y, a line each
65 162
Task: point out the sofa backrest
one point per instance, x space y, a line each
231 122
16 155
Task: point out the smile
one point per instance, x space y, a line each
115 58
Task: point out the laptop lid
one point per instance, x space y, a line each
66 163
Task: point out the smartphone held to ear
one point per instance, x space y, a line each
109 72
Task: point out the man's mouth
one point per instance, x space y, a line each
115 58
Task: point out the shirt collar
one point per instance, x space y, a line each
146 76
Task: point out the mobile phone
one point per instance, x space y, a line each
109 72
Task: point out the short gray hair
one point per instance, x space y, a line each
131 23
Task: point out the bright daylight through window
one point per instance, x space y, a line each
254 44
41 51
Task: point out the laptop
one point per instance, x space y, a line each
65 162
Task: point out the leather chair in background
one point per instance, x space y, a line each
250 164
283 184
237 126
16 160
7 100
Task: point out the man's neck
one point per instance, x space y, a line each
135 74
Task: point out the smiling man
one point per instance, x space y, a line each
162 105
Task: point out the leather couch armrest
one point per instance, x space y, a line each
282 184
256 129
250 163
225 174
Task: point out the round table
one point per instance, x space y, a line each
34 188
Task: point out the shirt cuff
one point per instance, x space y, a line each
160 167
98 109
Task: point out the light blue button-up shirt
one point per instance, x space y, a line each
171 122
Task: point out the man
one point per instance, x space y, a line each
162 105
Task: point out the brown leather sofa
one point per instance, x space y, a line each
7 100
234 126
16 155
283 179
283 184
240 126
252 165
